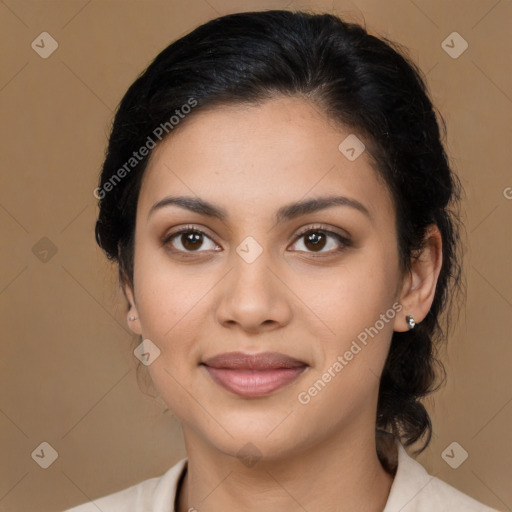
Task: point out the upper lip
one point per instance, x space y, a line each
261 361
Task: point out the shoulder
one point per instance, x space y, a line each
414 490
152 495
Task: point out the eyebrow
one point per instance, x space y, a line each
285 213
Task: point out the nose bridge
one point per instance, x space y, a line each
252 263
252 294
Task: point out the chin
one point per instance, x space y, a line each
250 436
249 448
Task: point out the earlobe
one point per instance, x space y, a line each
418 290
410 321
132 315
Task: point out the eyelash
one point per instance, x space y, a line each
344 241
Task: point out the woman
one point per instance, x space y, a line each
278 201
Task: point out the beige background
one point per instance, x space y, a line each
67 367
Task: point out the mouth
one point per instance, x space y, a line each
253 375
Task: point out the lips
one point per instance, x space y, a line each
262 361
253 375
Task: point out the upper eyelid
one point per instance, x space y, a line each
327 229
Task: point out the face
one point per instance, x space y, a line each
320 286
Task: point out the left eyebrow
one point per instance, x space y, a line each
293 210
285 213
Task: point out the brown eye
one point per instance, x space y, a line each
189 240
315 240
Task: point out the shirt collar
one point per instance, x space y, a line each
410 479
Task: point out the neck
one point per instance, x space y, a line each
340 476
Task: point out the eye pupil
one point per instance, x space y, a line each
316 239
191 240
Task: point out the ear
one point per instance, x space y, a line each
134 325
419 285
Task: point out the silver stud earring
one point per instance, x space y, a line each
132 318
410 321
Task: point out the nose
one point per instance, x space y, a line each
254 296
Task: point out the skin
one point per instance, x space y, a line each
252 160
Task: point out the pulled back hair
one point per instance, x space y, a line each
362 82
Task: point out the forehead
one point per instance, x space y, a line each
248 158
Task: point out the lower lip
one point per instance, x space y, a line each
254 383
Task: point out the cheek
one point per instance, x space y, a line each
360 310
359 305
168 294
354 294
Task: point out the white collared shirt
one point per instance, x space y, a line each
413 490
